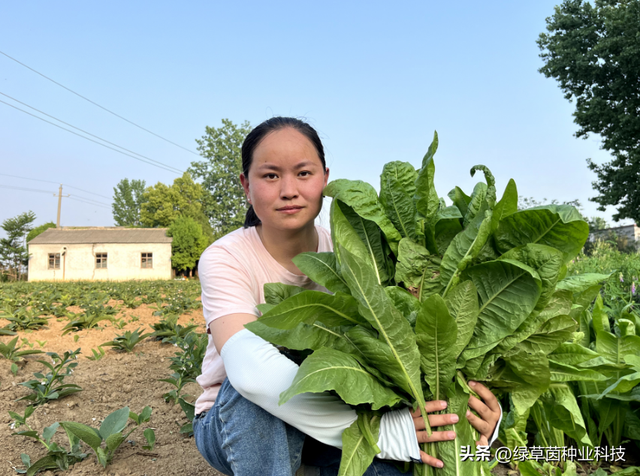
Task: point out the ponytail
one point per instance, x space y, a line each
251 219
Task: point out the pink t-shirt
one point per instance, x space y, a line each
233 272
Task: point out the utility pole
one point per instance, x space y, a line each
59 205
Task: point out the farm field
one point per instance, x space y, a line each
58 318
116 380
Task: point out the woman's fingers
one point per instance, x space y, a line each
479 424
433 406
487 396
435 436
430 460
436 420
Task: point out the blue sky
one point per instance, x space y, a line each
375 79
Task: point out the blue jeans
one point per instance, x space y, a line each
239 438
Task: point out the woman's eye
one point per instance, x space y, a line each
305 173
270 176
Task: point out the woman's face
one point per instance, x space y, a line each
285 180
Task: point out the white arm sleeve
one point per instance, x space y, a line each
260 374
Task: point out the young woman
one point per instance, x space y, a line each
239 427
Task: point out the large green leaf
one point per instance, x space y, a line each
397 187
550 335
436 333
572 354
558 305
418 269
357 451
508 292
478 199
311 306
405 302
322 268
304 336
581 282
329 369
450 452
569 373
447 224
462 303
393 328
562 408
530 373
363 198
460 199
507 205
89 435
625 383
463 249
614 348
114 422
275 293
426 198
546 261
557 226
359 236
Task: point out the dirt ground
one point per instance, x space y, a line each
116 380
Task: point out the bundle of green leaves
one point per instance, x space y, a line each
425 297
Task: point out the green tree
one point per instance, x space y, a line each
225 203
188 243
13 251
127 199
39 229
592 50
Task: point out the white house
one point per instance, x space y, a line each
629 232
100 253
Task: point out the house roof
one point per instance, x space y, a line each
64 236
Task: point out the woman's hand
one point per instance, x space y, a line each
434 420
489 411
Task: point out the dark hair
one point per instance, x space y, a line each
260 132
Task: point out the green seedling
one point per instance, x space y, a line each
189 410
84 321
177 381
13 353
168 328
51 386
189 362
57 457
26 343
25 319
41 343
127 341
119 324
6 331
97 353
112 433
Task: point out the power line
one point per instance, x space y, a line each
82 130
162 166
51 181
96 104
89 203
27 189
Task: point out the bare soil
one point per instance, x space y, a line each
115 381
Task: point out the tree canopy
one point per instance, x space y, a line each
39 229
13 252
127 199
592 50
188 243
225 203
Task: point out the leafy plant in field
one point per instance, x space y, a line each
178 381
6 331
127 341
189 410
51 386
113 431
84 322
98 353
168 329
14 354
188 363
428 296
23 319
57 457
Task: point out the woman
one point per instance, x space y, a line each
239 427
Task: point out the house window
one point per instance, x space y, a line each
146 260
101 260
54 260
